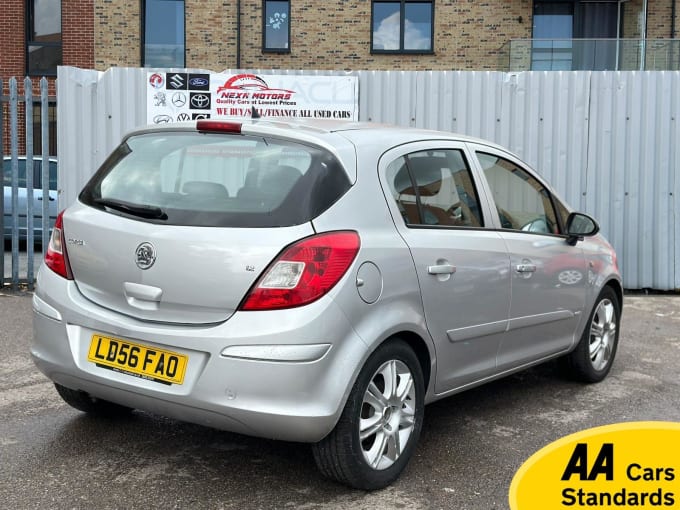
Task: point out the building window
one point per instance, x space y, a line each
52 128
43 37
276 26
577 35
163 31
402 27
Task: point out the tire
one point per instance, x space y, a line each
391 420
89 404
592 359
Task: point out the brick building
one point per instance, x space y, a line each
38 35
35 37
376 34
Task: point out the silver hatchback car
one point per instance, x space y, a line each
316 282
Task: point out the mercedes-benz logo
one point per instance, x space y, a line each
200 101
179 99
145 255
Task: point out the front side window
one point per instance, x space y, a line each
522 202
276 26
43 37
163 33
402 27
434 188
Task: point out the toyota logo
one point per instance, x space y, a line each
145 255
200 100
179 99
162 119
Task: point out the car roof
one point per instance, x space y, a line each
340 137
321 129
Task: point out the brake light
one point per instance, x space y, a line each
304 272
56 257
218 126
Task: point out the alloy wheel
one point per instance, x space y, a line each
387 414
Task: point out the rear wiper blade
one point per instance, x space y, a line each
143 211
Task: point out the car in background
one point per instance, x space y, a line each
316 282
22 196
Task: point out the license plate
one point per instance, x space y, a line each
139 360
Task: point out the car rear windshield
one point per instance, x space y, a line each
216 180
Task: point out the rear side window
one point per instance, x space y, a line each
434 188
217 180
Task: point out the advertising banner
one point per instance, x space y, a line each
178 97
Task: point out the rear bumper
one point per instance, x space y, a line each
281 374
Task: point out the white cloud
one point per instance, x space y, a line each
386 36
415 37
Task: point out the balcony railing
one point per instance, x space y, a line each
590 55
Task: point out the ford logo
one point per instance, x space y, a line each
198 82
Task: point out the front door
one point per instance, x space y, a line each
548 276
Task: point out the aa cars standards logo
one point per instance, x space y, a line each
626 465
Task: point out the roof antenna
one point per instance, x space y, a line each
254 114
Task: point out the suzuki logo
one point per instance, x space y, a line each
179 99
145 255
176 81
200 101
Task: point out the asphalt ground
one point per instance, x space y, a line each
52 456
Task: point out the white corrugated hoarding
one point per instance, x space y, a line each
607 141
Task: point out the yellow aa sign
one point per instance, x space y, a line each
626 465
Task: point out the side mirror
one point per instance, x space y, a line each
580 225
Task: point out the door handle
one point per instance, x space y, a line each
441 269
525 268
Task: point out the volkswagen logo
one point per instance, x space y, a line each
145 255
179 99
162 119
198 82
200 100
182 117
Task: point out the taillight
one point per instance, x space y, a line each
304 271
56 257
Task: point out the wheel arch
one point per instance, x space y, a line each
618 290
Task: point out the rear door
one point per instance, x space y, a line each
177 226
462 267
